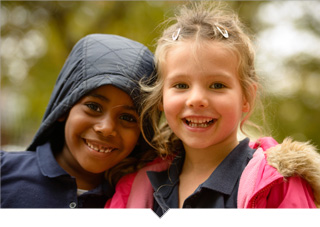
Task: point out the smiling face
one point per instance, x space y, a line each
101 130
202 97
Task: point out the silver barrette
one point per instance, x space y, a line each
224 33
175 35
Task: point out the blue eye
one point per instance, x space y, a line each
94 106
128 117
181 86
217 86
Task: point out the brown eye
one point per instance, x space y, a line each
128 117
94 106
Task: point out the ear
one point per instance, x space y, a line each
252 93
245 106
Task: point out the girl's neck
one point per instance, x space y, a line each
206 159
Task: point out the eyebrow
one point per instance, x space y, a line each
99 97
221 75
185 76
104 99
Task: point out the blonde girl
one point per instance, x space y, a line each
207 88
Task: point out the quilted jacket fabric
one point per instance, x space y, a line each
96 60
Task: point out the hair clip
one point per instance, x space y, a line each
223 33
175 35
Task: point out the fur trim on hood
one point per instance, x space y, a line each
297 158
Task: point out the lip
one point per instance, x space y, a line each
100 147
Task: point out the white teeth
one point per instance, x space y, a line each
198 125
99 149
199 122
108 150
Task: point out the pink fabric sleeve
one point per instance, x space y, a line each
135 190
141 195
261 186
249 178
122 191
293 193
264 142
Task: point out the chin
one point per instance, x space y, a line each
197 145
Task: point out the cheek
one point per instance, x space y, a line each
170 111
131 139
172 103
73 128
234 112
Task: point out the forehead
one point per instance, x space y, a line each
200 46
207 56
111 93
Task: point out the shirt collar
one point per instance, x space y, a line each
47 163
227 174
49 167
164 182
104 189
223 179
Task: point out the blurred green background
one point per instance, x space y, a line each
36 38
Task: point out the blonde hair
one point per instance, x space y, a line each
204 21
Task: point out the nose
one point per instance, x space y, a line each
198 98
105 126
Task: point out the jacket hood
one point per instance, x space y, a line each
95 60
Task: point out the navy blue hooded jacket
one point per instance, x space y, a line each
34 179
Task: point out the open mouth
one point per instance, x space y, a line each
99 148
199 122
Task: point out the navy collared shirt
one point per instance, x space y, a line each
220 190
35 180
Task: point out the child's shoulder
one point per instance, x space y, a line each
16 154
11 158
18 168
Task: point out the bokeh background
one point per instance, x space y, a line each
36 38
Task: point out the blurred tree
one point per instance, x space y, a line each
36 38
288 37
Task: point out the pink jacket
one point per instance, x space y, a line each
283 175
